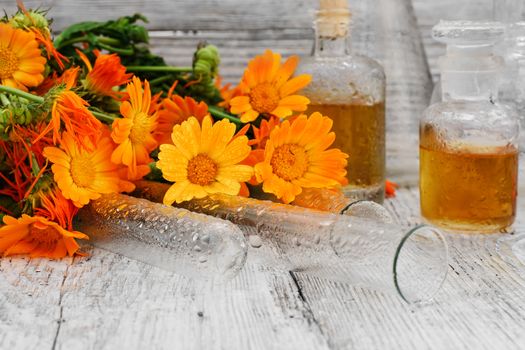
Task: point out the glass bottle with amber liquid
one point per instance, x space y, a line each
350 89
468 142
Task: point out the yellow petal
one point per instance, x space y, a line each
234 152
28 79
295 102
249 116
235 173
222 133
173 194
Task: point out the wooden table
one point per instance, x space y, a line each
107 301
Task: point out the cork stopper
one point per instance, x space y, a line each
333 18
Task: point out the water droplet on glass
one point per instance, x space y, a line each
255 241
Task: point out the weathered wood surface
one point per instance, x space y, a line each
106 301
245 22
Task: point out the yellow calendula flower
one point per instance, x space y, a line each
296 155
21 61
267 88
204 160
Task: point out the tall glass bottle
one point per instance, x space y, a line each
350 89
468 142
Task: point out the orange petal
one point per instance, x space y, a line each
295 84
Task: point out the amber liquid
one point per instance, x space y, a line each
468 189
360 132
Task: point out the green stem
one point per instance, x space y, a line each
171 69
221 114
39 99
104 117
124 52
20 93
100 39
160 80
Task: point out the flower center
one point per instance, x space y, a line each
289 161
46 236
140 129
202 170
264 98
8 63
82 171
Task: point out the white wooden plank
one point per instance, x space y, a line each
481 305
182 14
30 295
106 301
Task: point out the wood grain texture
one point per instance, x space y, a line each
106 301
481 305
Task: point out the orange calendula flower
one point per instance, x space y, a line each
57 208
267 88
134 132
68 78
81 174
297 155
174 111
72 111
204 160
107 73
40 27
262 133
44 38
21 61
38 237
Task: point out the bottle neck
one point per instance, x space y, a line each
469 86
332 28
331 46
470 72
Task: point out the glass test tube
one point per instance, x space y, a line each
336 202
360 251
177 240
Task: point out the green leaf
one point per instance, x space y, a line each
77 29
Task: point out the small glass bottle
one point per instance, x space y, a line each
468 142
350 89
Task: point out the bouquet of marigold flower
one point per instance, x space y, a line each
94 110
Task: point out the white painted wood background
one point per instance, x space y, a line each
106 301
